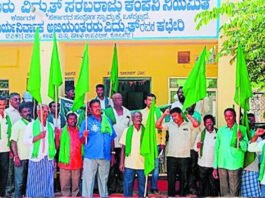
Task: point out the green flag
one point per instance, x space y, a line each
82 85
114 78
194 88
243 91
34 82
149 143
55 78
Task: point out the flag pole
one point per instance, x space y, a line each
34 107
56 107
145 185
199 151
86 116
42 127
110 87
237 142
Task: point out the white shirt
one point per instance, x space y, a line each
257 147
28 139
122 122
179 140
135 160
13 114
4 135
58 121
17 135
207 158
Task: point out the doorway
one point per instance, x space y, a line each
133 91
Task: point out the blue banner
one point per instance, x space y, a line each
104 20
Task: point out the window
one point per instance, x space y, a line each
133 91
4 88
208 106
184 57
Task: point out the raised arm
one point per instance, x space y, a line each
160 120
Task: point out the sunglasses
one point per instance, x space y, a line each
17 99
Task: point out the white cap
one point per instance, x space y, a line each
27 97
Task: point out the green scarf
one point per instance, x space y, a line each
233 142
262 164
9 128
65 146
109 112
105 125
36 145
202 139
129 134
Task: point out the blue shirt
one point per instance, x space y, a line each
99 144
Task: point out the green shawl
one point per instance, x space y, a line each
105 125
36 145
202 139
110 114
65 146
9 128
129 134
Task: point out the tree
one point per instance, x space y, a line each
245 25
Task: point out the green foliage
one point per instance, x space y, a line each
245 25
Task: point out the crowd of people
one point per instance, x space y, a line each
102 153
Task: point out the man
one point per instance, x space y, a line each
180 98
39 135
160 139
204 145
120 118
27 98
60 121
12 111
195 119
20 150
249 185
255 146
5 133
70 157
105 102
132 162
70 93
99 134
178 149
230 146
